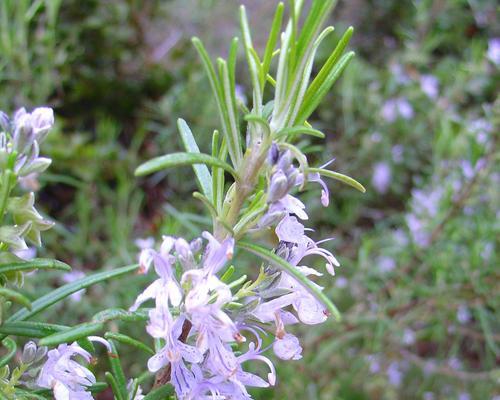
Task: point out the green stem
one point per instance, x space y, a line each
248 173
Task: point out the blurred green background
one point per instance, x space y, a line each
415 118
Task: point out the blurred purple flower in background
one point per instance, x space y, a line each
463 314
394 374
494 50
397 107
381 178
430 86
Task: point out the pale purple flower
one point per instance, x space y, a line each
463 314
381 178
287 347
454 363
417 229
488 250
464 396
374 362
394 374
26 254
290 230
341 282
67 378
386 264
405 109
144 243
399 74
397 107
427 202
409 337
494 50
175 352
430 86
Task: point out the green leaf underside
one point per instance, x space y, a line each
277 261
37 263
202 173
181 159
16 297
339 177
75 333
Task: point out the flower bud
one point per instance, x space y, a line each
287 347
4 122
43 121
29 353
23 133
39 165
278 187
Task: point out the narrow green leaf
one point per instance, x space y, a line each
202 174
161 393
317 15
231 112
180 159
117 370
75 333
129 341
330 62
259 120
31 329
254 67
298 130
280 263
312 100
64 291
211 209
228 274
11 347
114 386
120 314
273 39
340 177
217 89
37 263
16 297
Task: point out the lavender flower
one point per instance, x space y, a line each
430 86
67 378
397 107
381 178
494 50
394 374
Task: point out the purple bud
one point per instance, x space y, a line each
287 347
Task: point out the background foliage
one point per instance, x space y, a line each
415 119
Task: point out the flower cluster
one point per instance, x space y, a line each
204 327
20 139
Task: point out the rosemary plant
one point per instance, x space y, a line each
208 319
